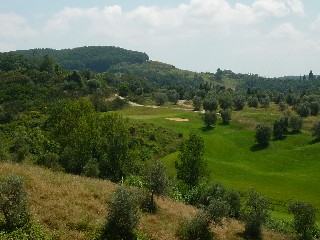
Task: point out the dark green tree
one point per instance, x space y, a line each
295 123
197 103
263 134
314 108
160 98
303 109
122 218
304 219
226 116
210 118
226 102
191 165
278 130
239 102
316 130
210 104
253 102
256 213
156 181
13 202
197 227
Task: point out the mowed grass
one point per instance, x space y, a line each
286 171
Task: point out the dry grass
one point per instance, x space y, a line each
69 206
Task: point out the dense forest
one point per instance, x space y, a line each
59 110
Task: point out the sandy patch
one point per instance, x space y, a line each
179 119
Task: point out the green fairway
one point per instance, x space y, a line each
287 170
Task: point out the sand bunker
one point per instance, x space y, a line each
179 119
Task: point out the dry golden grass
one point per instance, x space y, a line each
68 206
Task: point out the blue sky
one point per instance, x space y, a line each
267 37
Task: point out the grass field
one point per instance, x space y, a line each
286 171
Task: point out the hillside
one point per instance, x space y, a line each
96 58
73 207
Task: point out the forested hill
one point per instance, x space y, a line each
96 58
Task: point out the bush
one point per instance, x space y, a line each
304 219
197 103
210 104
91 169
253 102
210 118
314 108
218 209
196 228
316 130
30 231
157 182
263 134
295 123
226 116
122 217
303 110
233 199
255 214
14 203
50 160
278 130
239 103
160 98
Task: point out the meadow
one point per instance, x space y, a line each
286 171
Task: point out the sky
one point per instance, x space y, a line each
271 38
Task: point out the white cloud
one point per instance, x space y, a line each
15 26
315 25
285 31
279 8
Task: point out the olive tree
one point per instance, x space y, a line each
304 219
316 130
156 181
263 134
191 165
256 213
122 217
14 202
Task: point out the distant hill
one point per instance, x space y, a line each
96 58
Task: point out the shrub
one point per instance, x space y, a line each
303 110
197 103
91 169
304 219
50 160
196 228
233 199
210 104
277 130
218 209
255 214
253 102
295 123
239 103
265 102
14 203
263 134
226 116
157 182
160 98
122 217
316 130
210 118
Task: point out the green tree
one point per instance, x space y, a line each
226 116
295 123
113 147
314 108
160 98
316 130
226 102
191 166
304 219
196 228
197 103
157 182
210 118
253 102
210 104
303 110
263 134
14 202
256 213
278 130
122 218
239 102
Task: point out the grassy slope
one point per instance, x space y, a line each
288 170
72 207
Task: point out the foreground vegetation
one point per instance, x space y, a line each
233 153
